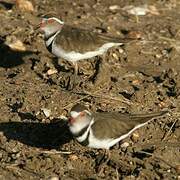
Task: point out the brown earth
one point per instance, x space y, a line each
142 76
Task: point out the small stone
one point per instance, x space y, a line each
1 134
177 168
108 28
69 165
135 137
124 145
63 117
115 56
121 50
153 10
141 10
24 5
1 155
15 44
135 82
135 35
162 104
54 178
47 112
136 10
37 113
73 157
114 7
51 71
158 56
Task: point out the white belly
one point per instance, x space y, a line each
107 143
101 144
76 56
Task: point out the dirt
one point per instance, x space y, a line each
141 76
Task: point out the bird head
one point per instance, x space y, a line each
79 118
50 26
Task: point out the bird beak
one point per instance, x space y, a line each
71 120
37 26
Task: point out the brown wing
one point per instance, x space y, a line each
116 124
82 40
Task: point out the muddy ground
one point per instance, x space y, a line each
36 90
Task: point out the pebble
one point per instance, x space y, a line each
135 35
124 145
54 178
24 5
136 82
51 71
47 112
63 117
135 137
115 56
121 50
15 44
136 10
141 10
178 169
114 7
73 157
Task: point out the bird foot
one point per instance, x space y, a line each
103 161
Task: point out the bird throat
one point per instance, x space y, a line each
50 39
81 132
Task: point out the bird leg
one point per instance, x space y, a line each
106 157
75 68
74 79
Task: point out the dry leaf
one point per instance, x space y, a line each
15 44
24 5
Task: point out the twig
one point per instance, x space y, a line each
170 130
117 174
74 102
78 100
14 167
56 152
19 170
159 144
109 97
144 152
159 158
166 38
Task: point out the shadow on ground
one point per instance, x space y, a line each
10 58
41 135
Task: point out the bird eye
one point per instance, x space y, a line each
43 22
82 114
50 20
71 120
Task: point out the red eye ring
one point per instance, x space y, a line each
50 20
82 114
71 120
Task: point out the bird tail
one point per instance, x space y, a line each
149 116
